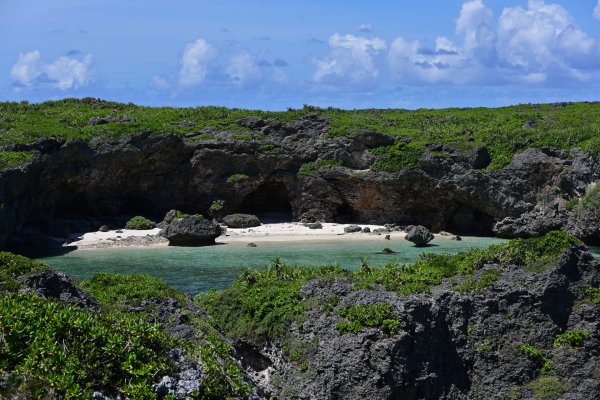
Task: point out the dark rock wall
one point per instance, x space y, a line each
150 174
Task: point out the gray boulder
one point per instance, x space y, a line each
352 229
314 225
57 285
418 234
241 221
191 231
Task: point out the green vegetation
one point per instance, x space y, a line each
216 208
547 388
179 214
486 280
590 201
262 304
13 267
536 356
139 223
14 159
572 338
58 351
380 315
504 131
237 178
592 295
312 168
118 291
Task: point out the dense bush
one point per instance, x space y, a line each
139 223
53 350
379 315
572 338
13 266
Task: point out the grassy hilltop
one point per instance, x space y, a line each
505 131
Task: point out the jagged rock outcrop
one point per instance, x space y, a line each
451 344
151 174
191 231
241 220
418 234
58 286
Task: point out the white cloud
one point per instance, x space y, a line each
367 28
195 62
523 45
64 73
351 57
160 82
597 11
243 68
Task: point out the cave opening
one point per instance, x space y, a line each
270 202
467 221
345 214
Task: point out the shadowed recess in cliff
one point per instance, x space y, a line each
270 200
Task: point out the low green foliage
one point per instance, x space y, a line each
140 223
312 168
14 159
237 178
216 209
536 356
592 295
70 352
262 304
223 377
119 291
590 201
471 284
398 156
13 267
547 388
572 338
380 315
179 214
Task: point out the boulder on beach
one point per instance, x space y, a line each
241 220
387 250
352 229
366 229
314 225
418 234
191 231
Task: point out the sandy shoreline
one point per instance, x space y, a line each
265 233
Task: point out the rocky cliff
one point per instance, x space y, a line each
295 169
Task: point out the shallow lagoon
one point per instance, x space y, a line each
198 269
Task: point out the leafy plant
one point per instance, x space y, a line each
237 178
71 352
547 388
139 223
13 267
379 315
14 159
312 168
572 338
592 295
536 356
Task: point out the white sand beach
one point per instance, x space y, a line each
269 232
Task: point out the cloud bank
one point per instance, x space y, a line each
64 73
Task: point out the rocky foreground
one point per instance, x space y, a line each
515 321
296 169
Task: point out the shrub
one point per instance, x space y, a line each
14 159
536 356
379 315
139 223
71 353
13 266
216 208
547 388
312 168
573 338
592 295
237 178
117 290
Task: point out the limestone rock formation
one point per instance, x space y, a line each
418 234
191 231
241 220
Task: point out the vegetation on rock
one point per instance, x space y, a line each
140 223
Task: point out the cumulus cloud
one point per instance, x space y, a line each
195 62
350 58
522 45
243 68
64 73
160 82
597 11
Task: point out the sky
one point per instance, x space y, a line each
276 55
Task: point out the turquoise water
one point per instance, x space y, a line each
198 269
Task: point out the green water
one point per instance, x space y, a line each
198 269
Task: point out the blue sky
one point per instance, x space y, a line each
279 54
